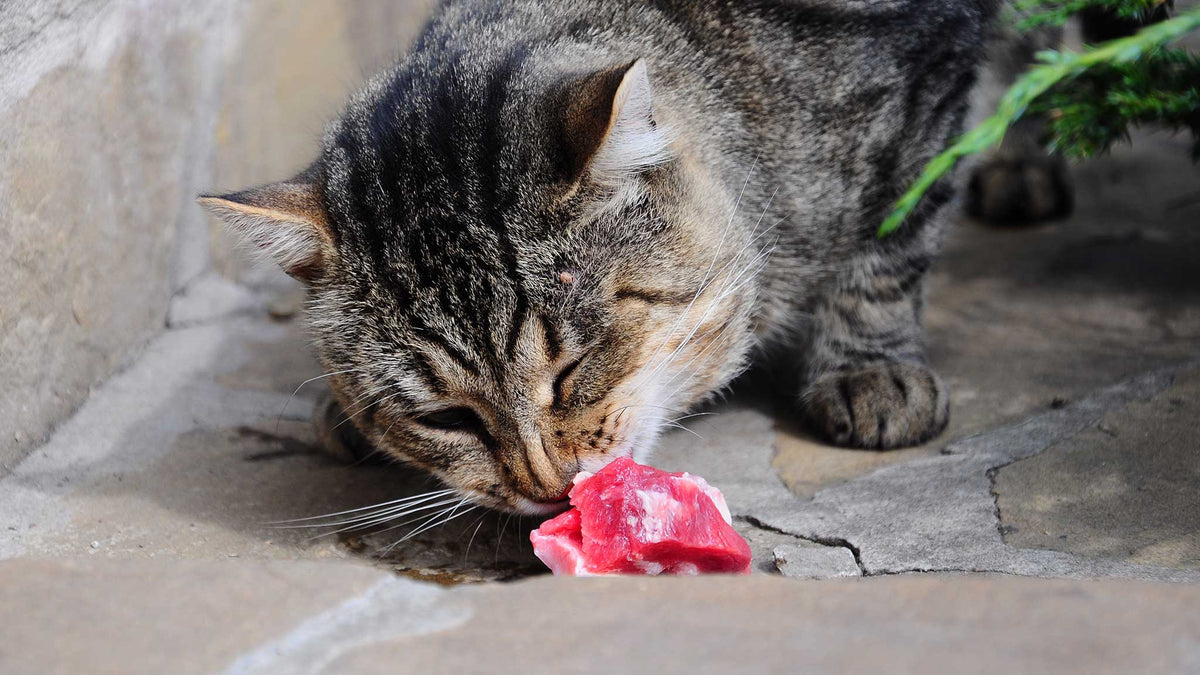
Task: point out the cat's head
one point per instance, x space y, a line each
515 274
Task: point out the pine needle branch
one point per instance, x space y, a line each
1055 68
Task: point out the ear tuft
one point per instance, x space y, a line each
611 125
285 221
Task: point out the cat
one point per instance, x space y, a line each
555 227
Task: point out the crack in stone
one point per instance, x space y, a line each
831 542
944 570
941 513
991 476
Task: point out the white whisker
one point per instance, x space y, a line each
427 519
677 425
716 255
500 530
279 418
438 523
383 521
479 524
688 417
372 519
364 508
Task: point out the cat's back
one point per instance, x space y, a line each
843 99
738 55
706 25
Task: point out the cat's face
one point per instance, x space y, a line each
509 295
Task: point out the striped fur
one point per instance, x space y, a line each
574 307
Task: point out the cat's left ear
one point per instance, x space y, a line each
287 221
610 125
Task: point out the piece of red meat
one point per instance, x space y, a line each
635 519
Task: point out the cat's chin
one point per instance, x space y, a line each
531 508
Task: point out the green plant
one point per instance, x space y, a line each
1089 98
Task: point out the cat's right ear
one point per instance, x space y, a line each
610 125
286 221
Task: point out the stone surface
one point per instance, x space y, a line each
77 616
1126 489
252 616
206 439
113 116
938 513
814 561
765 624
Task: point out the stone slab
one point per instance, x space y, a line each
105 616
1126 489
814 561
253 616
767 624
939 514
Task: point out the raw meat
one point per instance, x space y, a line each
635 519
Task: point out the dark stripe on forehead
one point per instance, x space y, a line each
441 342
424 370
494 202
514 329
386 124
447 111
655 297
553 340
355 179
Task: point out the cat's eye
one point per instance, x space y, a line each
459 418
561 379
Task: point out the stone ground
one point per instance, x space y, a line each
137 538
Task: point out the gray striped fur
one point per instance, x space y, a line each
470 261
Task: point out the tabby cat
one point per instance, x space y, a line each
556 226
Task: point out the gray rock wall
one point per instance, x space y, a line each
113 115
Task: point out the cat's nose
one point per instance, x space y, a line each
540 482
545 492
538 469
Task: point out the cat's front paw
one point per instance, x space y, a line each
882 406
337 436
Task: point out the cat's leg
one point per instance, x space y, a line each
868 385
337 436
1020 182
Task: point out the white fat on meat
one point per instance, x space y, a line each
713 493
